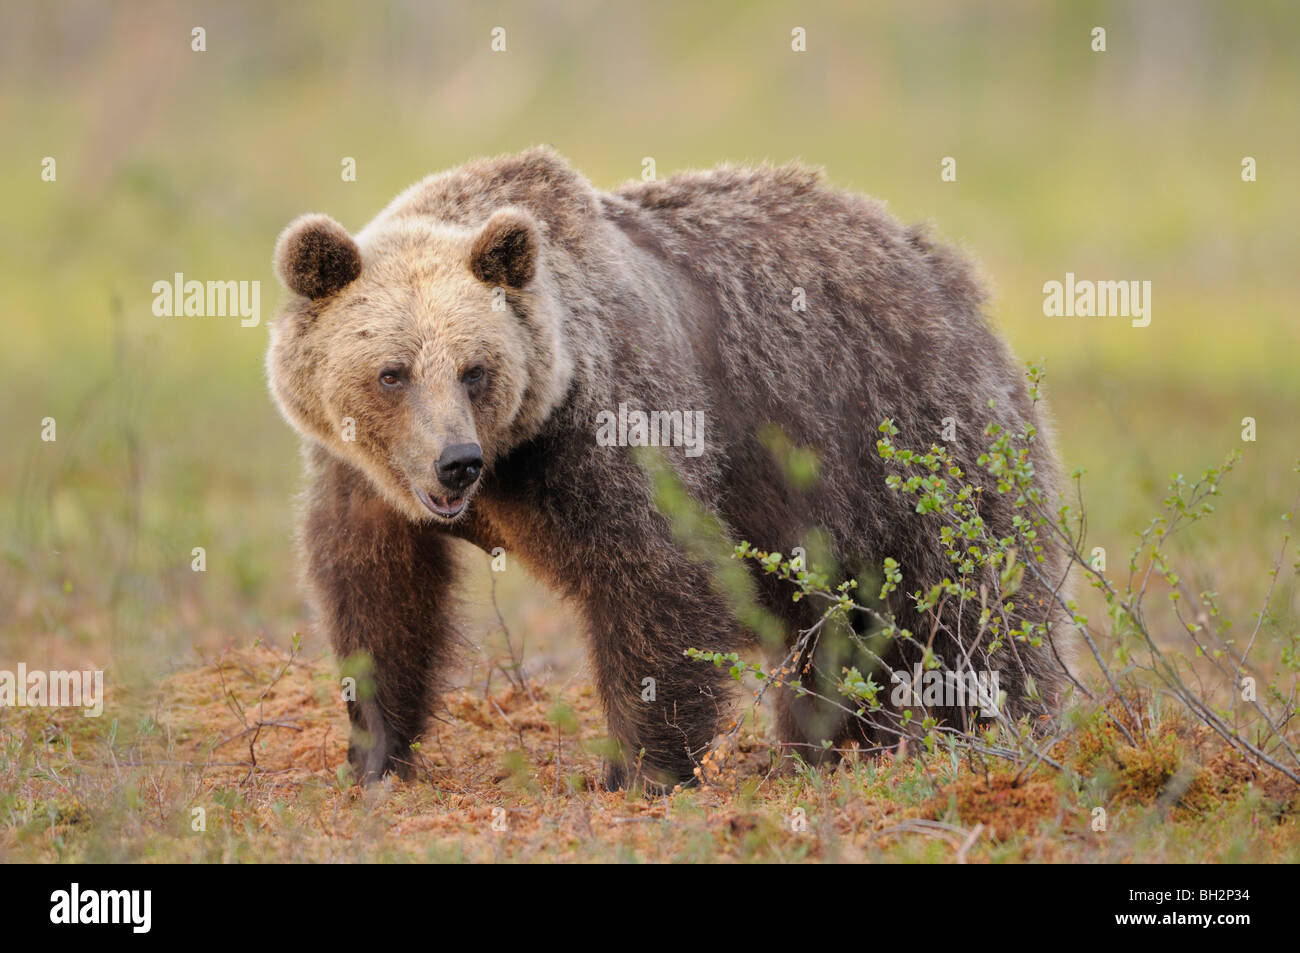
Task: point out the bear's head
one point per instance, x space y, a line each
420 352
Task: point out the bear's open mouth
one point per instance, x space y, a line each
448 507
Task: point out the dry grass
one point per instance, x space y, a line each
272 785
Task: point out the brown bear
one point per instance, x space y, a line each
451 367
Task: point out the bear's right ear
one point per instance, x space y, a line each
505 250
315 256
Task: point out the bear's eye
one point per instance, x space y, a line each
392 376
473 375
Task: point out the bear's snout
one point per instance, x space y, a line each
457 471
460 465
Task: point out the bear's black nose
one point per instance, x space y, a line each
460 465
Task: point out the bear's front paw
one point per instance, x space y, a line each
650 781
372 763
375 749
614 777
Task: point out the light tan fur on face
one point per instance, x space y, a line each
416 305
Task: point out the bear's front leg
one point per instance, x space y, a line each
380 586
644 609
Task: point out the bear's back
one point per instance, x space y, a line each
807 278
775 223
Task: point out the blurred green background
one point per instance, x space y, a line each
1117 165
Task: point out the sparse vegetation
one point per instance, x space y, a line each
167 440
243 756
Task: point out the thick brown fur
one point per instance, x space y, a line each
316 256
672 295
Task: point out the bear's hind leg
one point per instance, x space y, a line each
820 722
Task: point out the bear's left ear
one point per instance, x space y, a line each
505 250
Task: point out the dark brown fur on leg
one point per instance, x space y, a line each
806 722
380 587
583 518
634 637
